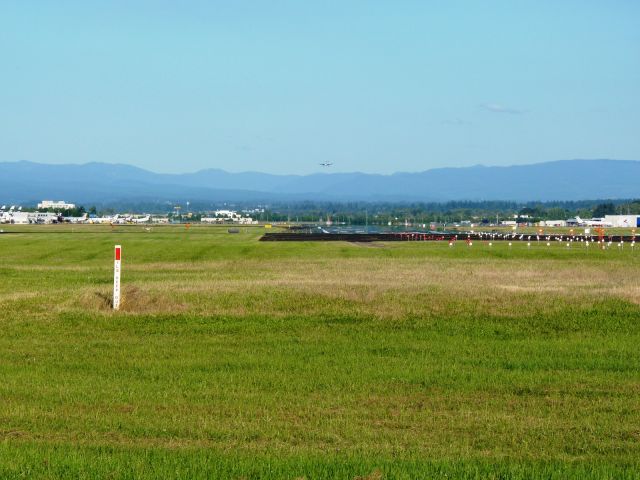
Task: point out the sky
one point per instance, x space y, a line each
281 86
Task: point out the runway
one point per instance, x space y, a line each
439 236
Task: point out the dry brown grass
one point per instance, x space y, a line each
384 288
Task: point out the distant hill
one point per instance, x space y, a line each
27 182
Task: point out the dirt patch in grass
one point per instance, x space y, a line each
375 475
133 300
104 300
12 434
369 244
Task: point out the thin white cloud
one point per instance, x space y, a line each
498 108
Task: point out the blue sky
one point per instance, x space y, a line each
279 86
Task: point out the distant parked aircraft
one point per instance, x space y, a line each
144 219
13 216
107 219
594 222
119 219
81 219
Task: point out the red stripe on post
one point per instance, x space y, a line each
118 253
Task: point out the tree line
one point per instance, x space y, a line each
381 213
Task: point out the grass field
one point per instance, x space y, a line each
233 358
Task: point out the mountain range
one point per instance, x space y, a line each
27 182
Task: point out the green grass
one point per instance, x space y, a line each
233 358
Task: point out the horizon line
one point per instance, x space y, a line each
319 172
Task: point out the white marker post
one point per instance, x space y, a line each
116 278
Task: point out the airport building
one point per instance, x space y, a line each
59 205
553 223
623 220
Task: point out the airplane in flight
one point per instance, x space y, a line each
326 164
